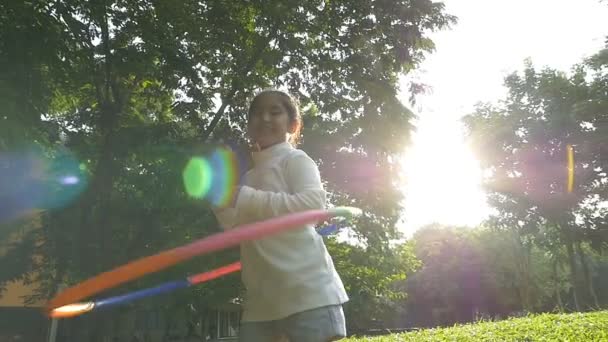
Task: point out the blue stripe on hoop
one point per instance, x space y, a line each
328 230
153 291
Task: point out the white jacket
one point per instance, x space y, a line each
288 272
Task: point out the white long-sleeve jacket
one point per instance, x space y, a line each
292 271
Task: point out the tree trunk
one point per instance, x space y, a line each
558 294
587 275
204 322
525 283
168 328
573 272
523 268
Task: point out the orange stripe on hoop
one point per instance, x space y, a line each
114 277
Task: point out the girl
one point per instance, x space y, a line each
292 287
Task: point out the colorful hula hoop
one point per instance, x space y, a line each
216 242
76 309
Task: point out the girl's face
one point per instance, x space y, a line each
269 122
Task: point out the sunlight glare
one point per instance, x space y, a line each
443 178
468 66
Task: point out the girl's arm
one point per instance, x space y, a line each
307 192
225 216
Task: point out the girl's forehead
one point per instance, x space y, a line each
268 101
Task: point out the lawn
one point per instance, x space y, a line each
592 326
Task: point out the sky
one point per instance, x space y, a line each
491 40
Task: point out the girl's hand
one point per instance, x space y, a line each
230 203
255 147
235 196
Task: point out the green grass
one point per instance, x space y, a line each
591 326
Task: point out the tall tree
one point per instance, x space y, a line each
372 280
524 143
134 89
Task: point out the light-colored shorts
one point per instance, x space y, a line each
317 325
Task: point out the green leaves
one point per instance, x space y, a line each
523 145
134 89
372 280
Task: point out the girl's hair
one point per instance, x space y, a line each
290 103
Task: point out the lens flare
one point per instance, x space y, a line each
224 165
197 177
570 151
33 180
213 177
69 180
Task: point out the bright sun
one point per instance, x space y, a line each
443 178
469 65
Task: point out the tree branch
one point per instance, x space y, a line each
105 37
81 33
234 88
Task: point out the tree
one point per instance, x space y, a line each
482 272
372 279
523 143
134 90
451 284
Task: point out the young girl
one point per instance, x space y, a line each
292 287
